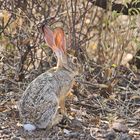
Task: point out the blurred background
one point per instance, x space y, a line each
103 35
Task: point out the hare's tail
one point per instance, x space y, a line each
29 127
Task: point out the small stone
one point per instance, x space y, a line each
124 136
6 131
66 131
15 138
119 126
110 135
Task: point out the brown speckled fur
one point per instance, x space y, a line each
40 101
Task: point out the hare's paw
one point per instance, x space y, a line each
57 119
66 120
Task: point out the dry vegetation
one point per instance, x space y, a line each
105 100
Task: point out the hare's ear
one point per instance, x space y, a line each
49 37
60 40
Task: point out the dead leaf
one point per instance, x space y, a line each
2 108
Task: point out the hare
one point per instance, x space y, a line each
39 104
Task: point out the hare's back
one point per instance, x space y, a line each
40 89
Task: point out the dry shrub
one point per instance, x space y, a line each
94 35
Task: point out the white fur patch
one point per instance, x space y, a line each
29 127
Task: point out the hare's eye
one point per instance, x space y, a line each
74 60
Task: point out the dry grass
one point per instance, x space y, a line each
103 41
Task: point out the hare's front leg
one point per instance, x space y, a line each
62 106
66 118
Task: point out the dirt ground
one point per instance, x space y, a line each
97 110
